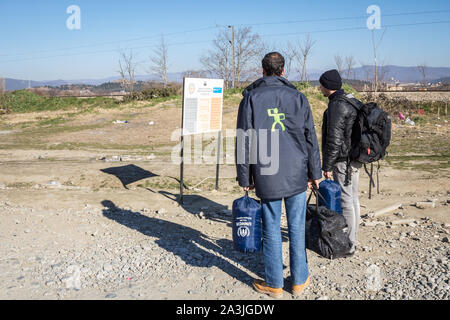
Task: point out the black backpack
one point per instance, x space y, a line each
371 135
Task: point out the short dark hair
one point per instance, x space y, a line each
273 64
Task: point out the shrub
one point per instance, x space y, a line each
349 89
25 101
301 85
232 91
419 120
407 107
3 107
151 93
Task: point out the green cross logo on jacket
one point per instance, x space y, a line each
277 118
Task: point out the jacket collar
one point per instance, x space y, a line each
337 93
269 81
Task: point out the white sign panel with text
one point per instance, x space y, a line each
202 105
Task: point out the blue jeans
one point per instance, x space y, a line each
272 248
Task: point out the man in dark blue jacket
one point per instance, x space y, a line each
278 155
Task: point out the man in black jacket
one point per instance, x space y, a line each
274 118
338 121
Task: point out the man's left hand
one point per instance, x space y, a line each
328 174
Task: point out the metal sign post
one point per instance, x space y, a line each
219 143
180 200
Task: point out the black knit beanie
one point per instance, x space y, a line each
331 80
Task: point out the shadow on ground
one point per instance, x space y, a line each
129 174
192 246
195 204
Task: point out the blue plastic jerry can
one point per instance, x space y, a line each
331 193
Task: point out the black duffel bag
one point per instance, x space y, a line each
326 231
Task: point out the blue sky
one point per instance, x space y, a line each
36 44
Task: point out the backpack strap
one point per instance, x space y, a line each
348 173
350 101
378 180
371 182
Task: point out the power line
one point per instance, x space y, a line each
113 42
341 18
354 28
205 41
217 26
102 51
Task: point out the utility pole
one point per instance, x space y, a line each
375 48
2 85
232 58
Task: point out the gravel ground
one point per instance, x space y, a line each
104 251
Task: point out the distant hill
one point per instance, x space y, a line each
402 74
397 73
405 74
15 84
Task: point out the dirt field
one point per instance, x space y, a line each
88 211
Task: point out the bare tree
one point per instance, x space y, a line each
368 73
127 70
370 76
289 53
305 48
383 70
376 45
349 64
160 61
218 60
248 46
339 63
423 71
194 74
